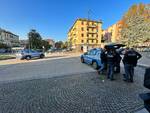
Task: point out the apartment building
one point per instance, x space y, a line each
115 31
85 34
51 42
8 38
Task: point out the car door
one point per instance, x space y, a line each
34 53
86 57
90 56
97 57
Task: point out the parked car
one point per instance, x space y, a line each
28 54
92 57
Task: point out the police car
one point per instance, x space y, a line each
92 57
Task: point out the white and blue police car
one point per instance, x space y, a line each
92 57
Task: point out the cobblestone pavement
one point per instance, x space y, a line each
77 93
145 60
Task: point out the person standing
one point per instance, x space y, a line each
130 61
117 63
103 61
111 57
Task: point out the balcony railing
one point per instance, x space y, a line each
92 32
92 37
92 26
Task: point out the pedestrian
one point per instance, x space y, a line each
111 56
130 61
103 61
117 63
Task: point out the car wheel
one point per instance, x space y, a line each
41 56
82 60
28 57
95 65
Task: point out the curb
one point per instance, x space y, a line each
143 65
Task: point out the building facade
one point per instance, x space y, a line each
9 38
85 34
114 32
51 42
23 43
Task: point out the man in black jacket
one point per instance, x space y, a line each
111 60
130 61
103 61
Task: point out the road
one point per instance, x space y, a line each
42 69
65 85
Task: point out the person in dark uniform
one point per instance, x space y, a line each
103 61
117 63
111 57
130 61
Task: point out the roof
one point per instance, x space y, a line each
8 32
83 19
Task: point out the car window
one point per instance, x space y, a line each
26 51
92 52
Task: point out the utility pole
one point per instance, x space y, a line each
89 14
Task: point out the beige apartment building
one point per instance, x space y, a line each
85 34
115 31
8 38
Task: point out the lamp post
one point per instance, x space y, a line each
43 48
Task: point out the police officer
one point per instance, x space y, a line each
103 61
117 62
111 56
130 61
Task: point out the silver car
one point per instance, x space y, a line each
28 54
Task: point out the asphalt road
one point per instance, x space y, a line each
43 69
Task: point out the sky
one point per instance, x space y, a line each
54 18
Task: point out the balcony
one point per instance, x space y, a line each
89 38
92 32
91 26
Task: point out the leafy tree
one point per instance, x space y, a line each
136 28
35 40
46 45
59 45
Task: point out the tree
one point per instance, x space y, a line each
35 40
136 28
65 45
46 45
59 45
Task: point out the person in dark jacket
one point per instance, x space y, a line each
130 61
103 61
117 62
111 57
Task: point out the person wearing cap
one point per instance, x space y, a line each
130 61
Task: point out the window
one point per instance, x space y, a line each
92 52
97 35
82 35
92 35
82 23
82 41
82 29
87 35
96 41
92 41
87 29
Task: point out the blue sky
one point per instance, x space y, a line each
53 18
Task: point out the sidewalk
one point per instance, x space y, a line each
144 61
49 56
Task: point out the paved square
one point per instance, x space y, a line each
78 93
